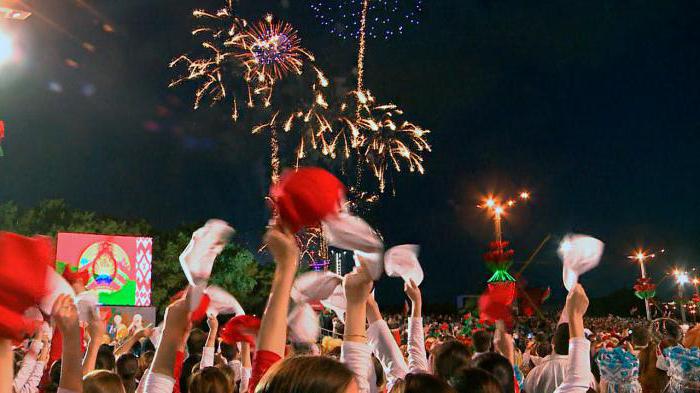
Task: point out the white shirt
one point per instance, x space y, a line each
546 377
578 372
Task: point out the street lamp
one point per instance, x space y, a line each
682 278
641 257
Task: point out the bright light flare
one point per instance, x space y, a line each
490 203
498 210
525 195
681 277
6 47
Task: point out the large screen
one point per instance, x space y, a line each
118 267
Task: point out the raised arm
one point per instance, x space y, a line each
65 313
383 344
161 377
356 354
96 330
132 340
417 358
578 370
272 336
208 351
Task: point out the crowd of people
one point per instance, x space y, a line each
367 352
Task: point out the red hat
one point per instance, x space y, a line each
240 328
305 196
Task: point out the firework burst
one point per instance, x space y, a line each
382 141
240 64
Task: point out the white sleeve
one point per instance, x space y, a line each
32 384
245 378
578 370
25 371
417 359
159 383
207 357
386 350
357 357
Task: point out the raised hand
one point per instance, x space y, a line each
283 246
357 285
65 313
577 301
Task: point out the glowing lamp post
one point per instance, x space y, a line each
681 279
641 257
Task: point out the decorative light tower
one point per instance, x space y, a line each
644 288
499 257
681 279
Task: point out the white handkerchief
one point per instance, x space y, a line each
337 302
56 286
206 244
312 286
351 233
156 335
579 253
222 302
402 261
196 293
304 326
87 305
374 262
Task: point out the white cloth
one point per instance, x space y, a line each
384 346
402 261
579 254
246 372
351 233
159 383
578 370
25 371
357 358
32 384
207 357
417 358
237 367
548 375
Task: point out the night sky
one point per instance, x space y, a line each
590 105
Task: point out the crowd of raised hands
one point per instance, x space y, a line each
186 359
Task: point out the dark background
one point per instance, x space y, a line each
590 105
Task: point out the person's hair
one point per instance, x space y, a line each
449 357
102 381
187 365
499 367
302 349
306 374
561 339
482 341
105 358
196 341
475 380
145 361
229 352
210 380
128 369
670 330
421 383
640 336
379 372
